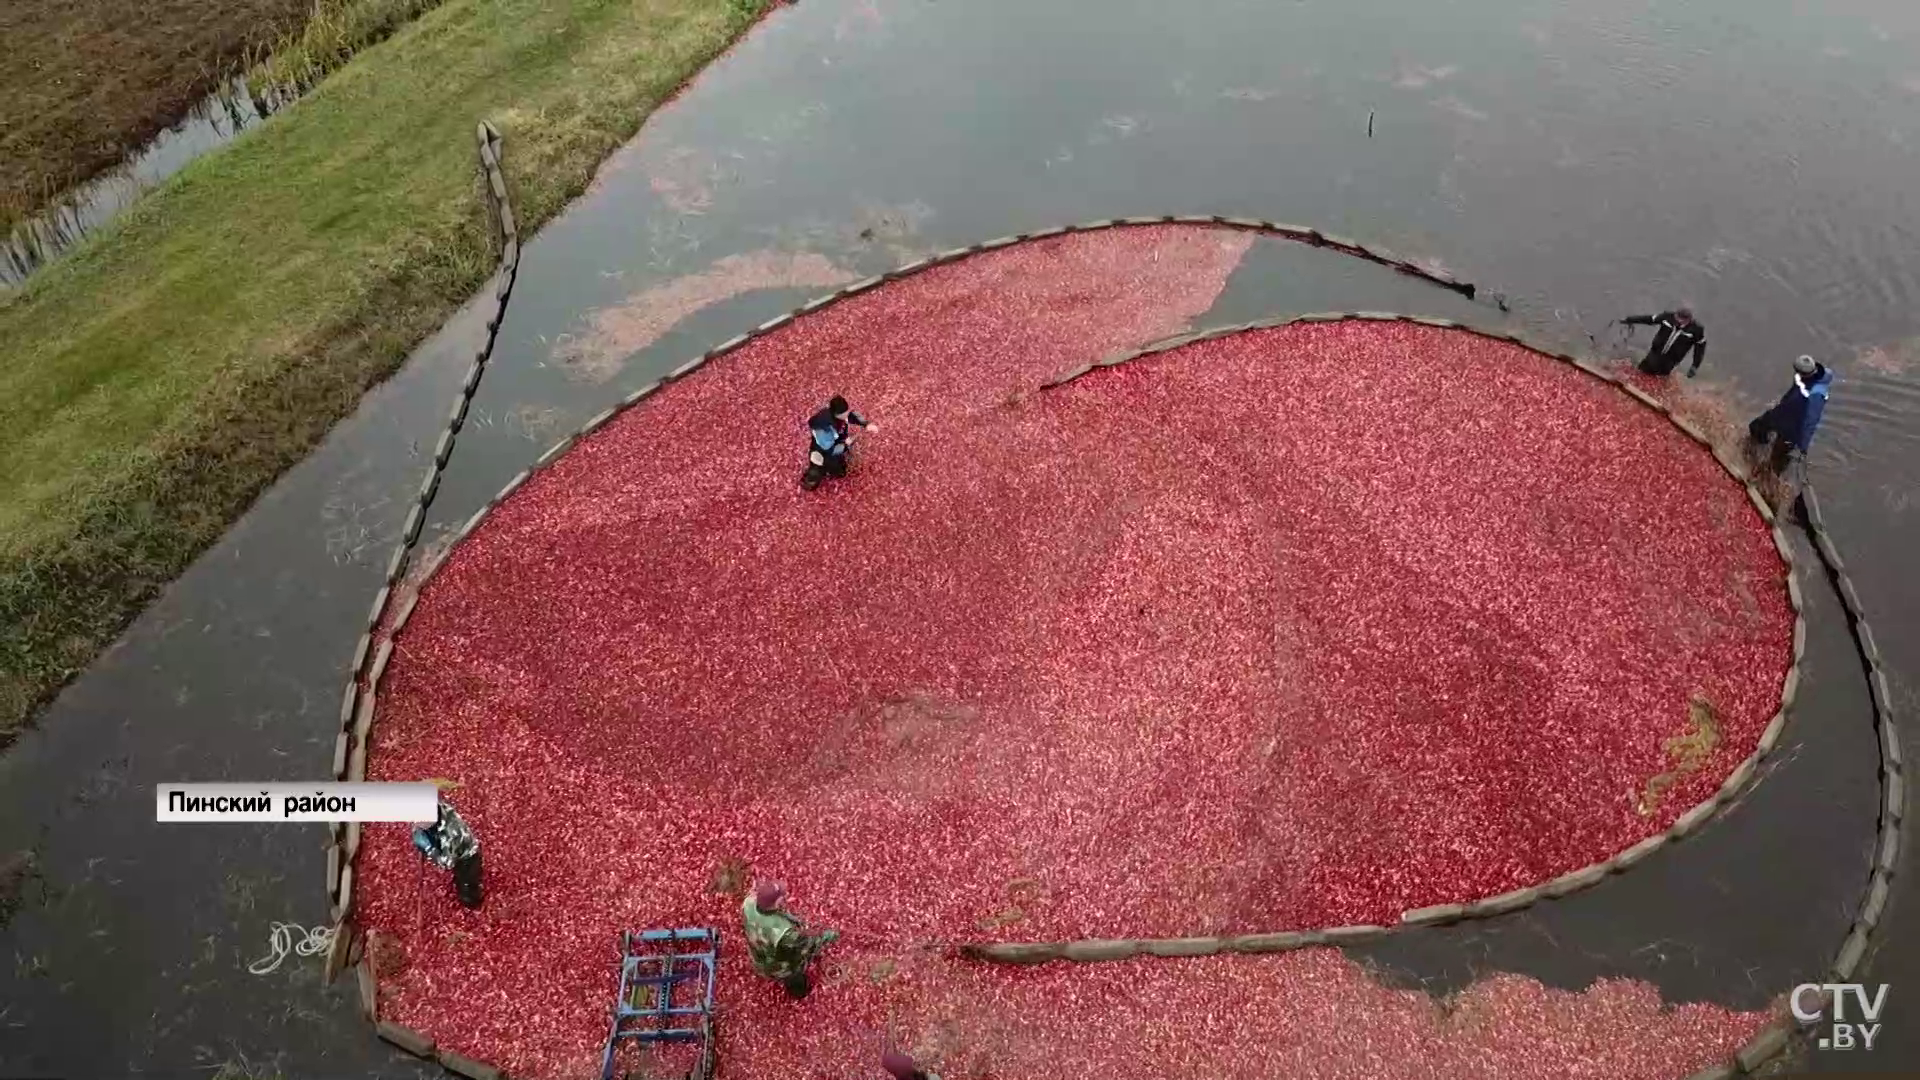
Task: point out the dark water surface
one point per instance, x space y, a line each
1757 158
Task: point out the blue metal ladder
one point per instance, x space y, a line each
653 964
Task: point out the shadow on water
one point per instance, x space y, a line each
1593 160
215 121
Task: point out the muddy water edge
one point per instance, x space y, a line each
1754 160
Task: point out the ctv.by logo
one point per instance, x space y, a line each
1844 1034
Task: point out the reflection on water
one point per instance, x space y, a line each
219 117
619 332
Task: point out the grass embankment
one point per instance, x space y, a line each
335 31
159 377
97 79
88 81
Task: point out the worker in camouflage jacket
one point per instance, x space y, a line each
780 944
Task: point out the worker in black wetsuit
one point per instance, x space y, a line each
1675 332
827 440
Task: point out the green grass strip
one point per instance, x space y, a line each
158 378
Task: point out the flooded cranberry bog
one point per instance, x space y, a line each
1100 654
1730 850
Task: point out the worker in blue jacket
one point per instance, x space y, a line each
829 433
1790 424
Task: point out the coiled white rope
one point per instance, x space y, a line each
312 943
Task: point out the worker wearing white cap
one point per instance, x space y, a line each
1790 424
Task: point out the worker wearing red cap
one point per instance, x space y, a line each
779 944
901 1067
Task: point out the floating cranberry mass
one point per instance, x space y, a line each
1300 627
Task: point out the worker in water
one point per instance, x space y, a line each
901 1067
1790 424
828 436
778 942
1675 332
